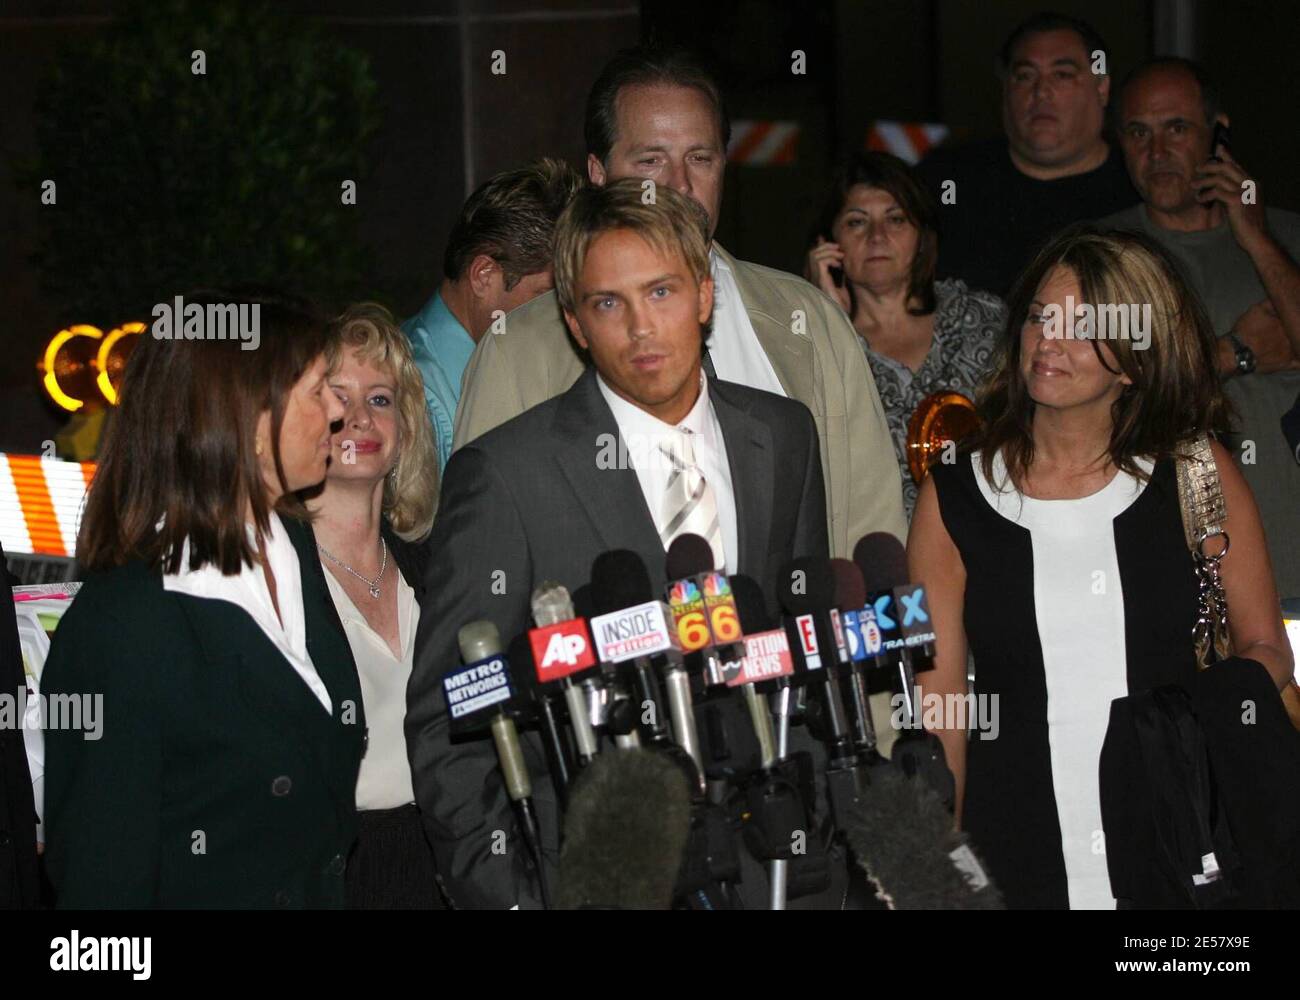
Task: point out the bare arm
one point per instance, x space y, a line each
933 559
1225 182
1254 615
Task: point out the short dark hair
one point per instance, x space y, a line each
1049 20
181 448
646 66
511 218
889 173
1211 100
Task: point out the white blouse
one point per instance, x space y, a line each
385 778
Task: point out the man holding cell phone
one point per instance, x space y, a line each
1201 205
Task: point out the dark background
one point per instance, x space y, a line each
449 123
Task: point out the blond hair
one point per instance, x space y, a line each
411 490
670 222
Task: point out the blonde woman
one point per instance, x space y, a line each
371 520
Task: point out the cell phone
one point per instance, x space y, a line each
837 276
1220 137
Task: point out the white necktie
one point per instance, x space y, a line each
689 505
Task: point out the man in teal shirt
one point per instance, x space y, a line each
499 256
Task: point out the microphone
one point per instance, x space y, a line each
903 618
767 659
902 835
776 807
630 627
561 648
883 563
807 593
559 755
850 597
703 607
625 834
481 691
609 698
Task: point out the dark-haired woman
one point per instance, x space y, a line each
231 727
875 255
1054 551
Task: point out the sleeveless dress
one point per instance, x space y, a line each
1069 604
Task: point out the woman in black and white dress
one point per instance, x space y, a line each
1054 552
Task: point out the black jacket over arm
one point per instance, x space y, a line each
218 780
532 500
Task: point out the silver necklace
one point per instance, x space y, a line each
372 584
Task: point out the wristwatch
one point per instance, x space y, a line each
1245 356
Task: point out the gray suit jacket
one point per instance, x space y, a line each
812 347
528 502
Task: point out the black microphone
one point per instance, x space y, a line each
807 593
609 693
903 617
480 692
850 597
559 754
883 563
775 807
903 837
625 833
629 627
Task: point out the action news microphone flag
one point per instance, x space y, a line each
775 808
481 692
625 834
903 837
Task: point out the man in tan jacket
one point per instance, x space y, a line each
659 116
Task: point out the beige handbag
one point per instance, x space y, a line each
1200 495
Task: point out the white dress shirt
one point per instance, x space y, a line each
248 590
737 354
643 433
385 778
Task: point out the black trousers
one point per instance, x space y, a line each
391 865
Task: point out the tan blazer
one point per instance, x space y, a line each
813 349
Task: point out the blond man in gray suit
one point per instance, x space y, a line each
660 117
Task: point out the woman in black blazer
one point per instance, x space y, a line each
231 724
371 521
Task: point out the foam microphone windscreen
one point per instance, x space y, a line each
619 580
805 585
751 607
850 591
688 555
881 559
625 833
904 840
